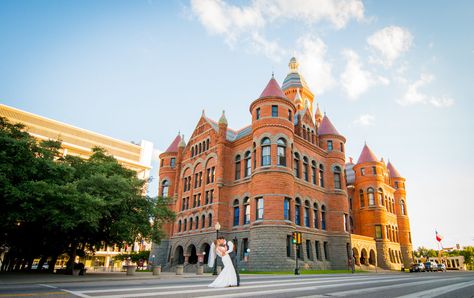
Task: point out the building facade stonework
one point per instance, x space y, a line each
284 172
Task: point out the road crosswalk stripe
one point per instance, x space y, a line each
440 290
318 284
375 289
335 279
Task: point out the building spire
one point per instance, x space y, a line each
223 119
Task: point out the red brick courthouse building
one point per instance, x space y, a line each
286 171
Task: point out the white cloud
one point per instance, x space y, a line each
365 120
390 42
338 13
414 96
271 49
355 79
315 67
246 23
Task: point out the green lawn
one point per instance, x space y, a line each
302 272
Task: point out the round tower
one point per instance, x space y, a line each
375 208
398 183
272 177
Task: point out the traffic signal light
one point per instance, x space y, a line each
296 238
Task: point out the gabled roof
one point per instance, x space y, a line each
231 135
326 127
174 145
273 90
366 155
393 172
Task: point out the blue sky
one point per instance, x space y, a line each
397 74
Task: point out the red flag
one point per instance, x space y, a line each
438 237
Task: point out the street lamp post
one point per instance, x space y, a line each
217 226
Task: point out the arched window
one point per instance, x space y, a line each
246 211
321 175
266 157
370 194
380 196
200 148
164 188
185 225
402 206
297 165
337 177
207 144
237 167
305 169
190 223
197 223
304 132
361 196
210 220
313 172
306 214
248 164
323 217
286 209
203 221
312 136
316 216
236 212
192 151
298 211
281 152
179 226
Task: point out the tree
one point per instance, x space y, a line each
53 205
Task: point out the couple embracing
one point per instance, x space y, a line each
229 276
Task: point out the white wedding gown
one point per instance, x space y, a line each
227 276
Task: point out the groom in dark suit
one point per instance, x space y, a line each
233 256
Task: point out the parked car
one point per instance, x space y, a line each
417 267
442 267
35 266
431 266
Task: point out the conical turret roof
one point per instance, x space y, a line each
327 128
174 145
272 90
393 172
366 155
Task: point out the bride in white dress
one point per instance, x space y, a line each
227 277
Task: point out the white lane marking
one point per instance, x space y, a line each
76 293
205 286
440 290
220 290
48 286
375 289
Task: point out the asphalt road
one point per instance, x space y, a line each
437 284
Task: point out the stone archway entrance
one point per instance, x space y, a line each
372 257
363 257
179 255
205 250
192 252
355 253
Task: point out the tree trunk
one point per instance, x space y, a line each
72 258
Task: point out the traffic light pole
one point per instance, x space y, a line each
297 269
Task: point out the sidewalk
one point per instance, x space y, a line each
15 278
